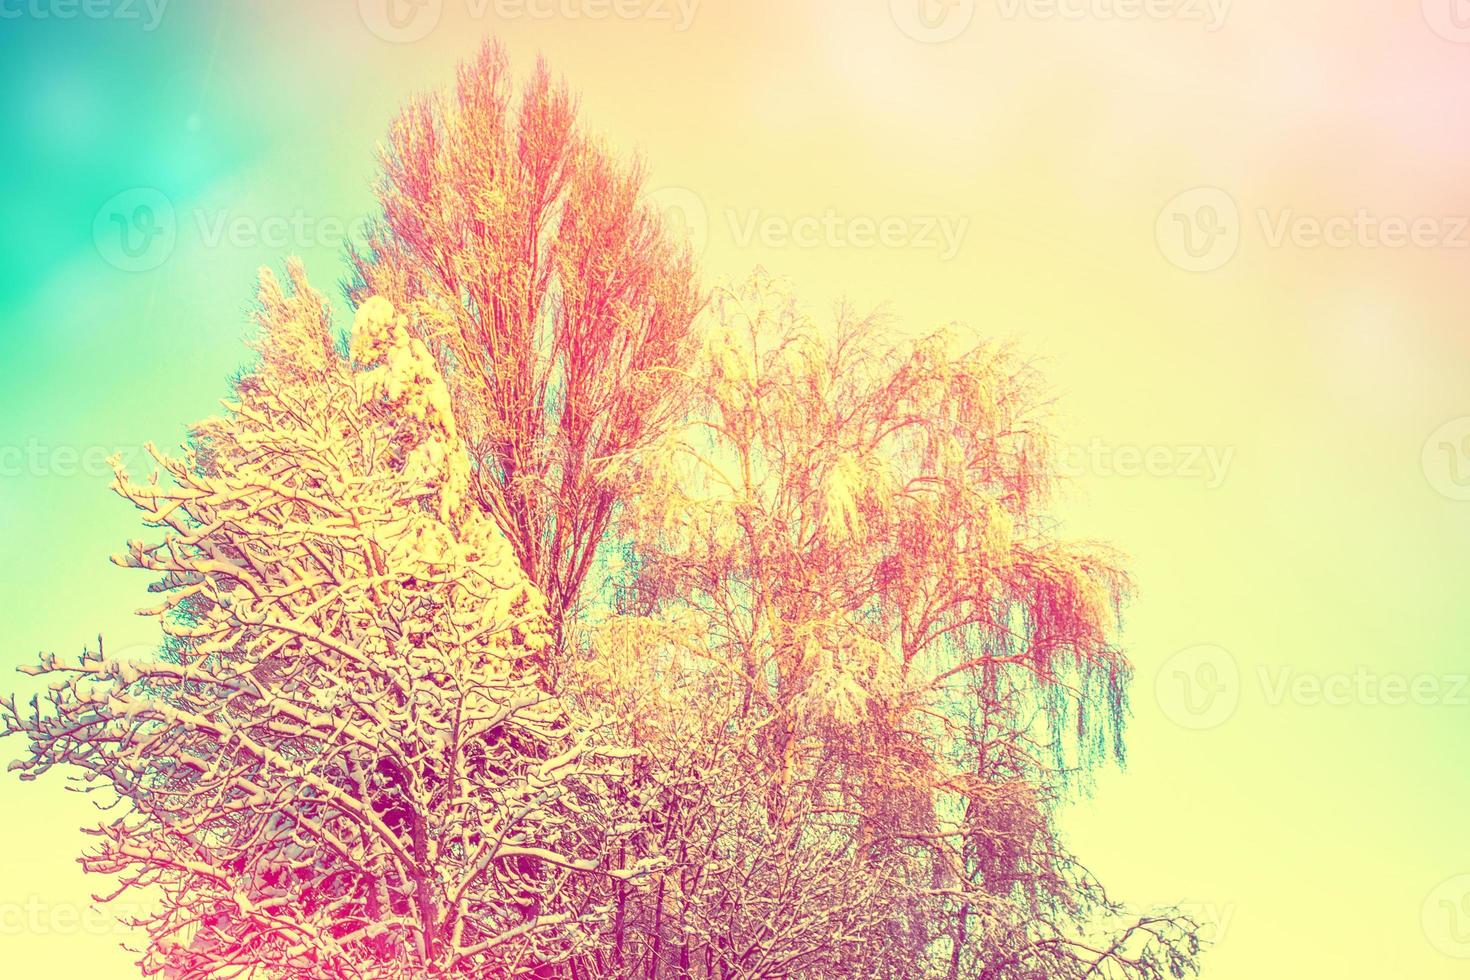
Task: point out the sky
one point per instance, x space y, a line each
1233 234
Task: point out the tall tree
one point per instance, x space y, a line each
548 292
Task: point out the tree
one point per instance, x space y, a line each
550 295
917 661
343 764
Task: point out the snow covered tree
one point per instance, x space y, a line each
344 762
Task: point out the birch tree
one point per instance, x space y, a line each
921 664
